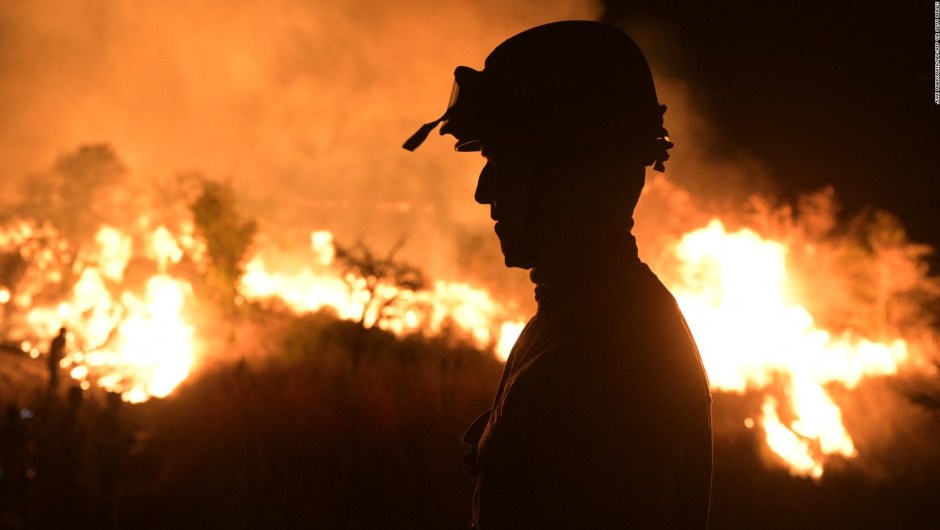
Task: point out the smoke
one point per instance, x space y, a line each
302 106
707 159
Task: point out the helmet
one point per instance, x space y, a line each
573 86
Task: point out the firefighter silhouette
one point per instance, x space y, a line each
56 354
602 416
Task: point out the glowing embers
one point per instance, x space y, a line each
753 335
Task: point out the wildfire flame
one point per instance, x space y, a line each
137 344
470 309
736 295
734 288
735 292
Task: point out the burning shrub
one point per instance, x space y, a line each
227 236
383 280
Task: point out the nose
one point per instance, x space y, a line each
484 191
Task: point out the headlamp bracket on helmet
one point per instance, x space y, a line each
457 120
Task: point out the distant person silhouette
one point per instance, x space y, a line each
602 416
56 354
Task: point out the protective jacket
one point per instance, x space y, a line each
602 416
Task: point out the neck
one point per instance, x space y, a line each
580 270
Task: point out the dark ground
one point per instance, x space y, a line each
320 436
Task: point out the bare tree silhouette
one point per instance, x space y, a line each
361 265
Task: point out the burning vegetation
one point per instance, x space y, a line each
174 292
784 303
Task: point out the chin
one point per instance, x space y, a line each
517 244
517 256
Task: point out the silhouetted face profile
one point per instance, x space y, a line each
551 210
567 118
508 185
